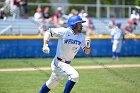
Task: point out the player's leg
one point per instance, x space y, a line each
44 89
69 85
118 49
51 83
114 47
117 54
71 74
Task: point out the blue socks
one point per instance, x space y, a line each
117 54
69 86
44 89
114 55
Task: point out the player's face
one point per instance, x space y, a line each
79 27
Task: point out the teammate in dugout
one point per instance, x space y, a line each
69 42
117 39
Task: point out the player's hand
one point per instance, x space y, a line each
87 49
88 42
46 49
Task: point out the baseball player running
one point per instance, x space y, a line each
69 42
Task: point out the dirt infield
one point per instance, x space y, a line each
76 67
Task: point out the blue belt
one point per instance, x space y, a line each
60 59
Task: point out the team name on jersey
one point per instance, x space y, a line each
71 41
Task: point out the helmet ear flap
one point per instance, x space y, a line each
73 26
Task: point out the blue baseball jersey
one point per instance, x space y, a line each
68 42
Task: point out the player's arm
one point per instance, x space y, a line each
50 33
46 39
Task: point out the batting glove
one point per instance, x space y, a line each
88 42
46 49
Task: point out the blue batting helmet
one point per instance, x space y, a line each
118 24
73 20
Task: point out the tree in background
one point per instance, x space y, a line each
137 2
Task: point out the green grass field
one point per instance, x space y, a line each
45 62
111 80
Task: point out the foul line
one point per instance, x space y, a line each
76 67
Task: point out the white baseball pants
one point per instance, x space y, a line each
59 71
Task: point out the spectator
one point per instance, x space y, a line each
42 27
73 13
113 21
59 12
24 8
88 26
48 22
38 17
91 26
83 13
59 18
2 14
111 24
15 4
129 29
134 17
38 14
46 14
7 6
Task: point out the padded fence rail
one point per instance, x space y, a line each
31 47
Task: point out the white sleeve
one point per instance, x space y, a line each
47 35
59 32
